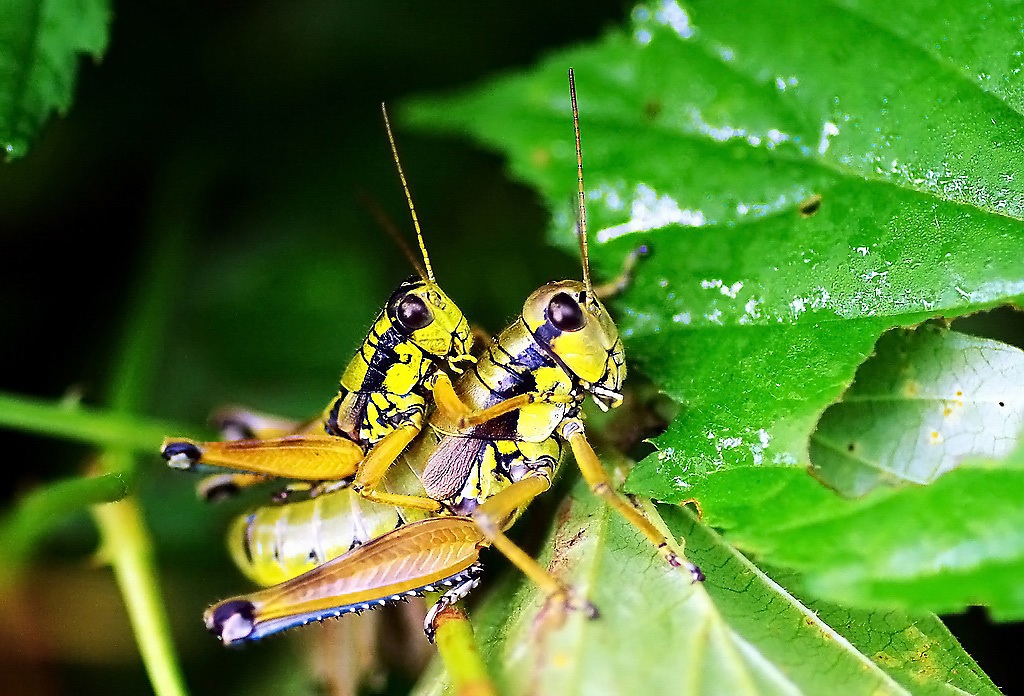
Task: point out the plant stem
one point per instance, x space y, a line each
38 511
457 647
88 425
125 537
127 546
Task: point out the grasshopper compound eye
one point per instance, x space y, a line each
565 313
412 313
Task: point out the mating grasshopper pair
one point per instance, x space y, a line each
427 455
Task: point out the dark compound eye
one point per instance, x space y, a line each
412 313
565 313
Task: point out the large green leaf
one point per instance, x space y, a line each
925 401
737 633
956 542
709 132
39 45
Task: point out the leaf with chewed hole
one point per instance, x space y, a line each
799 200
924 402
739 632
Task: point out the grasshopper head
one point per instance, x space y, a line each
575 327
421 311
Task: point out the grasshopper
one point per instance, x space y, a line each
490 447
416 341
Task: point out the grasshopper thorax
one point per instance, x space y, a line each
421 312
575 328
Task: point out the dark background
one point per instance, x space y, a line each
252 127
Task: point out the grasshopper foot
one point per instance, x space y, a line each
215 489
446 600
676 561
232 621
558 605
181 454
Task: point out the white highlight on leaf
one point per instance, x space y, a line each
784 83
728 290
828 131
672 15
723 133
651 211
751 311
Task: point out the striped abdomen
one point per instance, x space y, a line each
277 542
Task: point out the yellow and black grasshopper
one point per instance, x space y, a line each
490 446
418 340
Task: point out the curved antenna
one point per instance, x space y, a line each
408 196
581 213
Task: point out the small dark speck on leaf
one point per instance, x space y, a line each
811 206
851 447
652 109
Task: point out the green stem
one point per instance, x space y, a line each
89 425
460 655
38 511
125 536
127 546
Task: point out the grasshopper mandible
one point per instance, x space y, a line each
490 447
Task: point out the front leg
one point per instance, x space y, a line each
453 408
491 516
595 475
376 464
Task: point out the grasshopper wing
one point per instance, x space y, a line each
423 556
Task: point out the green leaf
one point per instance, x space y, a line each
41 509
39 45
925 401
738 632
709 132
918 651
942 547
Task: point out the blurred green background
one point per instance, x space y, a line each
250 129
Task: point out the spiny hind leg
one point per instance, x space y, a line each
595 475
445 604
491 515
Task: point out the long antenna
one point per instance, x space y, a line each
408 196
581 215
